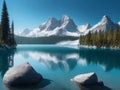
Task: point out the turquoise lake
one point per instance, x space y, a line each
58 64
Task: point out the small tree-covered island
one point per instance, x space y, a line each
6 31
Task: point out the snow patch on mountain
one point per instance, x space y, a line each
33 33
83 28
118 23
75 42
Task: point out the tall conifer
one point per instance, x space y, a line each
5 24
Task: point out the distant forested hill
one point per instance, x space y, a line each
43 40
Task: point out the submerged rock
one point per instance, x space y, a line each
86 79
21 75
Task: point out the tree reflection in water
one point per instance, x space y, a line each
109 58
6 60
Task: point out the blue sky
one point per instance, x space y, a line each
31 13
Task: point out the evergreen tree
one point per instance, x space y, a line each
0 34
105 39
88 38
5 24
115 36
12 29
12 34
110 37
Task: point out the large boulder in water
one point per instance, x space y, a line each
21 75
86 79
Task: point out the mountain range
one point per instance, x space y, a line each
53 27
67 27
63 31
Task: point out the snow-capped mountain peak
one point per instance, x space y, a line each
104 25
65 18
68 24
51 20
106 20
24 32
87 25
50 24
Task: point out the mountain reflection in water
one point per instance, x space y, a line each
67 58
61 63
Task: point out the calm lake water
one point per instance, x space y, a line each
58 64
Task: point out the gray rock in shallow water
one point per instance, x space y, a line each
86 79
20 75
